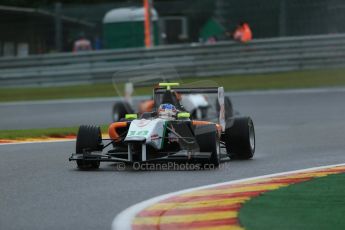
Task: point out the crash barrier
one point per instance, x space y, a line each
193 60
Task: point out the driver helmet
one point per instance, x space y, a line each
167 111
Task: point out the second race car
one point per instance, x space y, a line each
196 104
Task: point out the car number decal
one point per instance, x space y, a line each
138 133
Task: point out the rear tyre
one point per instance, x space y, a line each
240 138
120 109
89 139
229 111
208 141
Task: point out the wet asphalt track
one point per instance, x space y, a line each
40 189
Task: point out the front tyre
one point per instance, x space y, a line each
208 141
240 138
89 138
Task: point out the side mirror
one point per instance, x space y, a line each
183 115
131 116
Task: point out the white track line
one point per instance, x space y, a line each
36 142
69 101
288 91
123 220
235 93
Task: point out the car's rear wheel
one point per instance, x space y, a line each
240 138
228 108
208 141
120 109
89 138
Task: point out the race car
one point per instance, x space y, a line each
196 104
167 134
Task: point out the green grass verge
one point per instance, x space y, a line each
316 204
39 133
301 79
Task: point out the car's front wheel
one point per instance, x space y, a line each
240 138
89 138
208 141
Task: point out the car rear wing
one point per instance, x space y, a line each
188 90
199 90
